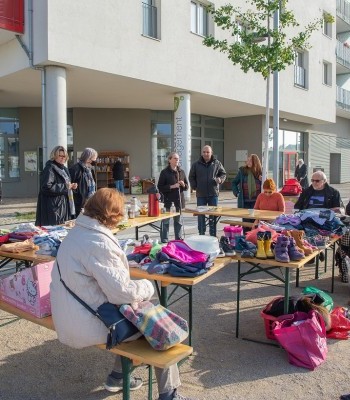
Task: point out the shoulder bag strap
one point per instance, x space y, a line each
75 296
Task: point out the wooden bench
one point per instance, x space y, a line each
238 223
132 353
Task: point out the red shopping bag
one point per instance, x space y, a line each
303 336
340 325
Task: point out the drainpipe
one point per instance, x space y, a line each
29 52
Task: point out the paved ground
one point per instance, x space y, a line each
35 366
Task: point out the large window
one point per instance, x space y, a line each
162 139
207 131
300 69
199 18
9 144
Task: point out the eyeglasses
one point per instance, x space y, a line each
316 180
267 191
62 155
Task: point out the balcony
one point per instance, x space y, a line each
299 76
343 54
343 10
149 20
343 98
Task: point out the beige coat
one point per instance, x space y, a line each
95 268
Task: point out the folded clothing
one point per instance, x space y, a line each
19 247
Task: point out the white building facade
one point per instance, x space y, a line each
105 75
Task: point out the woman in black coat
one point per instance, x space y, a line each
82 174
301 174
172 183
55 201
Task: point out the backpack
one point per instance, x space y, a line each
291 188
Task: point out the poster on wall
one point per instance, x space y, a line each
30 161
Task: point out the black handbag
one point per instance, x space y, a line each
119 327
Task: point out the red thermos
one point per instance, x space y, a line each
153 201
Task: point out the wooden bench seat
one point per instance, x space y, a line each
238 223
133 353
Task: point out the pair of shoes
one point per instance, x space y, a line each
286 250
264 241
226 247
247 254
116 385
243 244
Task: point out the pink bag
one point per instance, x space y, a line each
252 235
181 251
303 336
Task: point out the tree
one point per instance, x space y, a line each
254 44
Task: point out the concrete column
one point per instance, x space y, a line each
182 132
55 109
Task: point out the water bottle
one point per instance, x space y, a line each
172 208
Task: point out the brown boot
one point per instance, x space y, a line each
289 233
299 240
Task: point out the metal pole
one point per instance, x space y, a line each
276 110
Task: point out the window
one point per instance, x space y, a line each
199 18
207 131
300 69
9 144
150 18
327 73
161 139
326 26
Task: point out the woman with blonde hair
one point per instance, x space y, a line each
55 201
95 268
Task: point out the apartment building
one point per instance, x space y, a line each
107 74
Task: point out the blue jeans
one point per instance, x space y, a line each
207 201
164 229
119 185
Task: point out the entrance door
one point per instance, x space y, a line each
290 159
334 168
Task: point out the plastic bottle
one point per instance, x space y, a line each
172 208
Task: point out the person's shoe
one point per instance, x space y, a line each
116 385
321 256
221 252
178 396
261 246
226 246
247 254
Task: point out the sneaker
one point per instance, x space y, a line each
178 396
226 246
116 385
221 252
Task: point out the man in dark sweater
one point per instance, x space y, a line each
319 194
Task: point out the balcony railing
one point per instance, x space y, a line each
149 20
343 54
299 76
343 98
343 10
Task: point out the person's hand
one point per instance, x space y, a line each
218 180
72 185
175 185
182 183
260 177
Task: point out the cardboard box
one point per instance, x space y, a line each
29 289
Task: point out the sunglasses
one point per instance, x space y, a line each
267 191
316 180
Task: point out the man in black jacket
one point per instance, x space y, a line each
118 175
319 194
205 176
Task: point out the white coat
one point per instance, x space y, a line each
95 268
